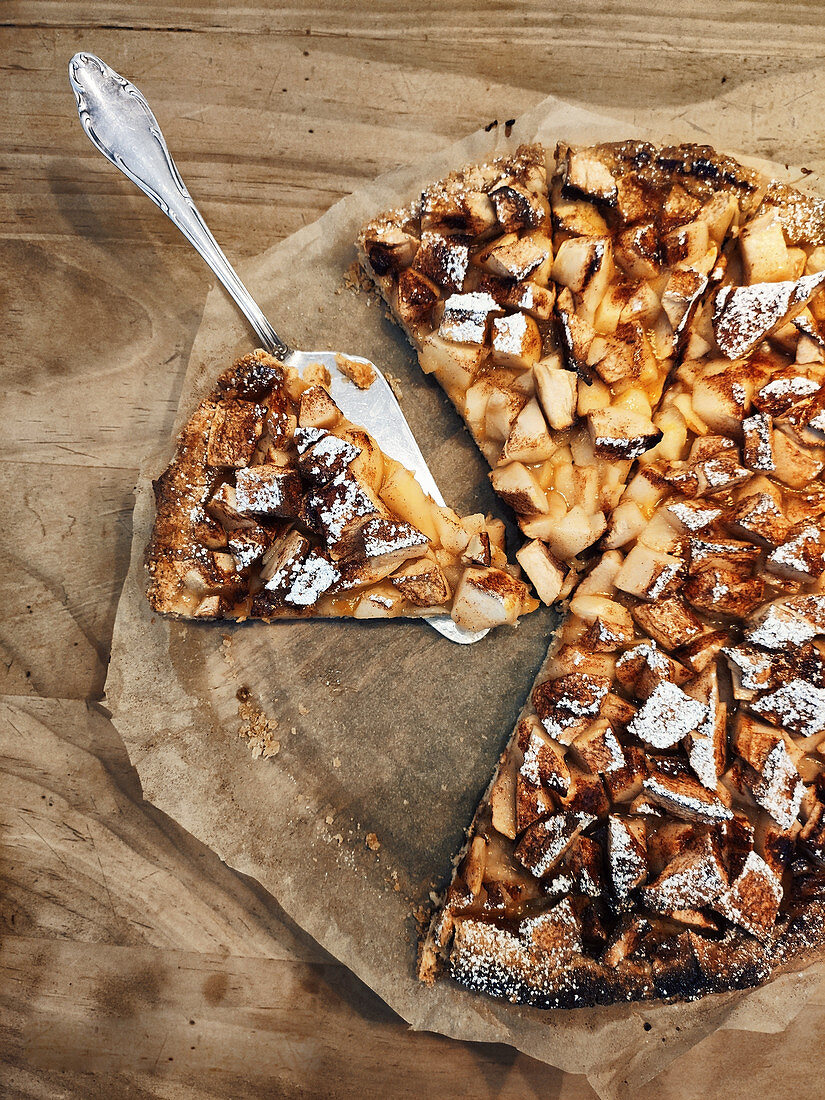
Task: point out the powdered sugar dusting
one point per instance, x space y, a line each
667 716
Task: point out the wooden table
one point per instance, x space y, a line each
134 963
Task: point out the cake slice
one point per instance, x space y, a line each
550 304
275 506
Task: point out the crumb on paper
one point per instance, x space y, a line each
302 709
329 819
360 373
395 385
336 761
372 842
293 730
256 727
421 916
356 279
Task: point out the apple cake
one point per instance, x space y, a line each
635 336
276 506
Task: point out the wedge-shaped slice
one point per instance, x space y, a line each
550 311
275 506
612 804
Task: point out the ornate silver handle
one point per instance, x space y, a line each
120 123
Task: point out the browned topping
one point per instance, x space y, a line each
276 506
674 807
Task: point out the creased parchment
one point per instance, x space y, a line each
382 736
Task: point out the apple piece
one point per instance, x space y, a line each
585 266
575 532
403 496
453 364
681 297
611 626
312 577
720 399
516 341
475 406
223 507
543 761
503 407
719 591
317 409
339 509
692 880
389 248
801 556
529 440
575 216
502 795
567 705
459 210
717 475
709 552
583 174
685 797
442 259
234 432
544 843
487 598
368 466
248 547
544 570
525 295
794 465
804 421
517 208
326 458
650 574
752 901
784 389
797 706
515 257
268 490
517 486
636 250
666 716
689 246
670 622
466 317
626 522
718 213
759 518
557 392
422 583
764 253
626 853
618 433
415 298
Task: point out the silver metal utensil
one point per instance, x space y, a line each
120 123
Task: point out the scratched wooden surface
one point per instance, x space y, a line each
133 963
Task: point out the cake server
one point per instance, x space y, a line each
121 125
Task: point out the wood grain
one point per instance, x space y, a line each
119 928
